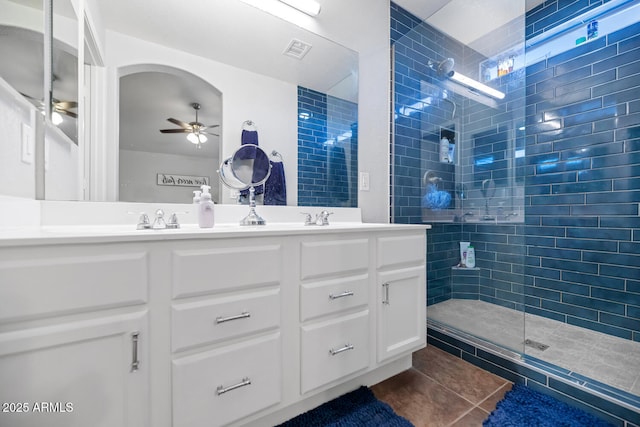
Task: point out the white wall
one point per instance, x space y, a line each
61 170
270 103
138 172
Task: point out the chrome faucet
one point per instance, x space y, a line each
321 219
143 221
159 223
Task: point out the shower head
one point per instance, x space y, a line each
445 67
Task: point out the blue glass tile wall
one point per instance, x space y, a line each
553 12
582 186
576 258
327 150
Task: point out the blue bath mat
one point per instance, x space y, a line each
359 408
522 406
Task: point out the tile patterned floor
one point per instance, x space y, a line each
605 358
441 390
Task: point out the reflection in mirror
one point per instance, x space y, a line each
258 80
158 161
267 94
21 72
64 69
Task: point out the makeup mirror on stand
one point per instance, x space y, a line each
249 167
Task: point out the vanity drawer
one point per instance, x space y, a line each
52 281
223 268
213 320
395 251
334 349
331 296
218 387
333 257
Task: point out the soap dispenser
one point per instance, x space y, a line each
205 208
196 196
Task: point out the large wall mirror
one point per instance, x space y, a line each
228 58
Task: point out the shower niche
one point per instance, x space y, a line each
439 201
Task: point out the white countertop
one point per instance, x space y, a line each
53 235
73 223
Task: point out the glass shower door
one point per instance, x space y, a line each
458 164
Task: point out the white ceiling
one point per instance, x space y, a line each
467 20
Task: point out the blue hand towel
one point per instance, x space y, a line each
275 189
249 137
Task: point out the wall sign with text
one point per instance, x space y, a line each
182 180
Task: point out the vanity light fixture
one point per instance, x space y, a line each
310 7
473 84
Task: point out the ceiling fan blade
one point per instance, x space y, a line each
175 130
209 133
180 123
210 126
31 98
65 104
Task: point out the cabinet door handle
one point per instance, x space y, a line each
244 315
340 350
135 363
343 294
222 389
385 287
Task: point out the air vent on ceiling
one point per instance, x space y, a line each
297 49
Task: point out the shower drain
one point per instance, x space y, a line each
535 344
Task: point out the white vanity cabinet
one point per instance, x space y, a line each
401 290
225 330
334 308
73 336
222 328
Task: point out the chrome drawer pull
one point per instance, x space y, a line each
236 317
385 287
344 294
222 389
340 350
135 363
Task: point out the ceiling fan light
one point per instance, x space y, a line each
310 7
56 118
196 138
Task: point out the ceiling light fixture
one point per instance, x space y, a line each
310 7
196 138
473 84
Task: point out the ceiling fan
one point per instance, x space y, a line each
60 107
195 129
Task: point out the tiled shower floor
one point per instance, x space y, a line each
605 358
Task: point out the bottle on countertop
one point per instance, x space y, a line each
205 209
196 196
